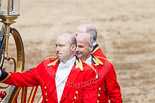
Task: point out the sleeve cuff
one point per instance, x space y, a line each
4 76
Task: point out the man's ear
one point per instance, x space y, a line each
91 47
73 47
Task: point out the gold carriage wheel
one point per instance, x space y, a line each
13 91
20 50
13 95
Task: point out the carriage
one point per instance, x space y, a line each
9 11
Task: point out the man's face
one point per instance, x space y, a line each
63 49
83 49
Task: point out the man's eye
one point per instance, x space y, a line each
61 45
80 46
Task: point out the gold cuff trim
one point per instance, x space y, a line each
6 78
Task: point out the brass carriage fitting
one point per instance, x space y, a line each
9 11
9 7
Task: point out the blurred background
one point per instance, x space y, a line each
126 35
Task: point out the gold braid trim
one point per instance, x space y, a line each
53 63
95 50
6 78
50 57
79 64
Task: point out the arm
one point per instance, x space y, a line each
19 79
113 88
28 78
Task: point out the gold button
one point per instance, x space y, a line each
45 87
76 92
99 88
45 93
99 95
46 100
75 97
98 101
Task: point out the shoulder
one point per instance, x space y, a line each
107 65
45 64
88 67
103 59
48 60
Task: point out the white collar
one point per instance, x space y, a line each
68 63
94 43
89 60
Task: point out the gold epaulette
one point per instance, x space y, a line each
97 61
53 63
102 58
50 57
95 50
79 64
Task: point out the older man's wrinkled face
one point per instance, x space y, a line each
63 49
83 49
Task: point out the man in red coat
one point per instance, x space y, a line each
107 85
90 29
65 79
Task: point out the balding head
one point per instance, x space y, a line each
65 47
84 46
87 28
68 38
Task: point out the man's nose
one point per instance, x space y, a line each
75 34
77 49
57 48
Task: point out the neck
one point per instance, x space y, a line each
84 59
65 60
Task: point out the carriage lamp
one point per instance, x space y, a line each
9 11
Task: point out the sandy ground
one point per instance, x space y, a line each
126 36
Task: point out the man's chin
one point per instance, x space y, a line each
79 56
59 57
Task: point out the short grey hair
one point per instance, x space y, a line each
90 40
93 32
73 40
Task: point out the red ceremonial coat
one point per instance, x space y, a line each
107 85
79 87
97 52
